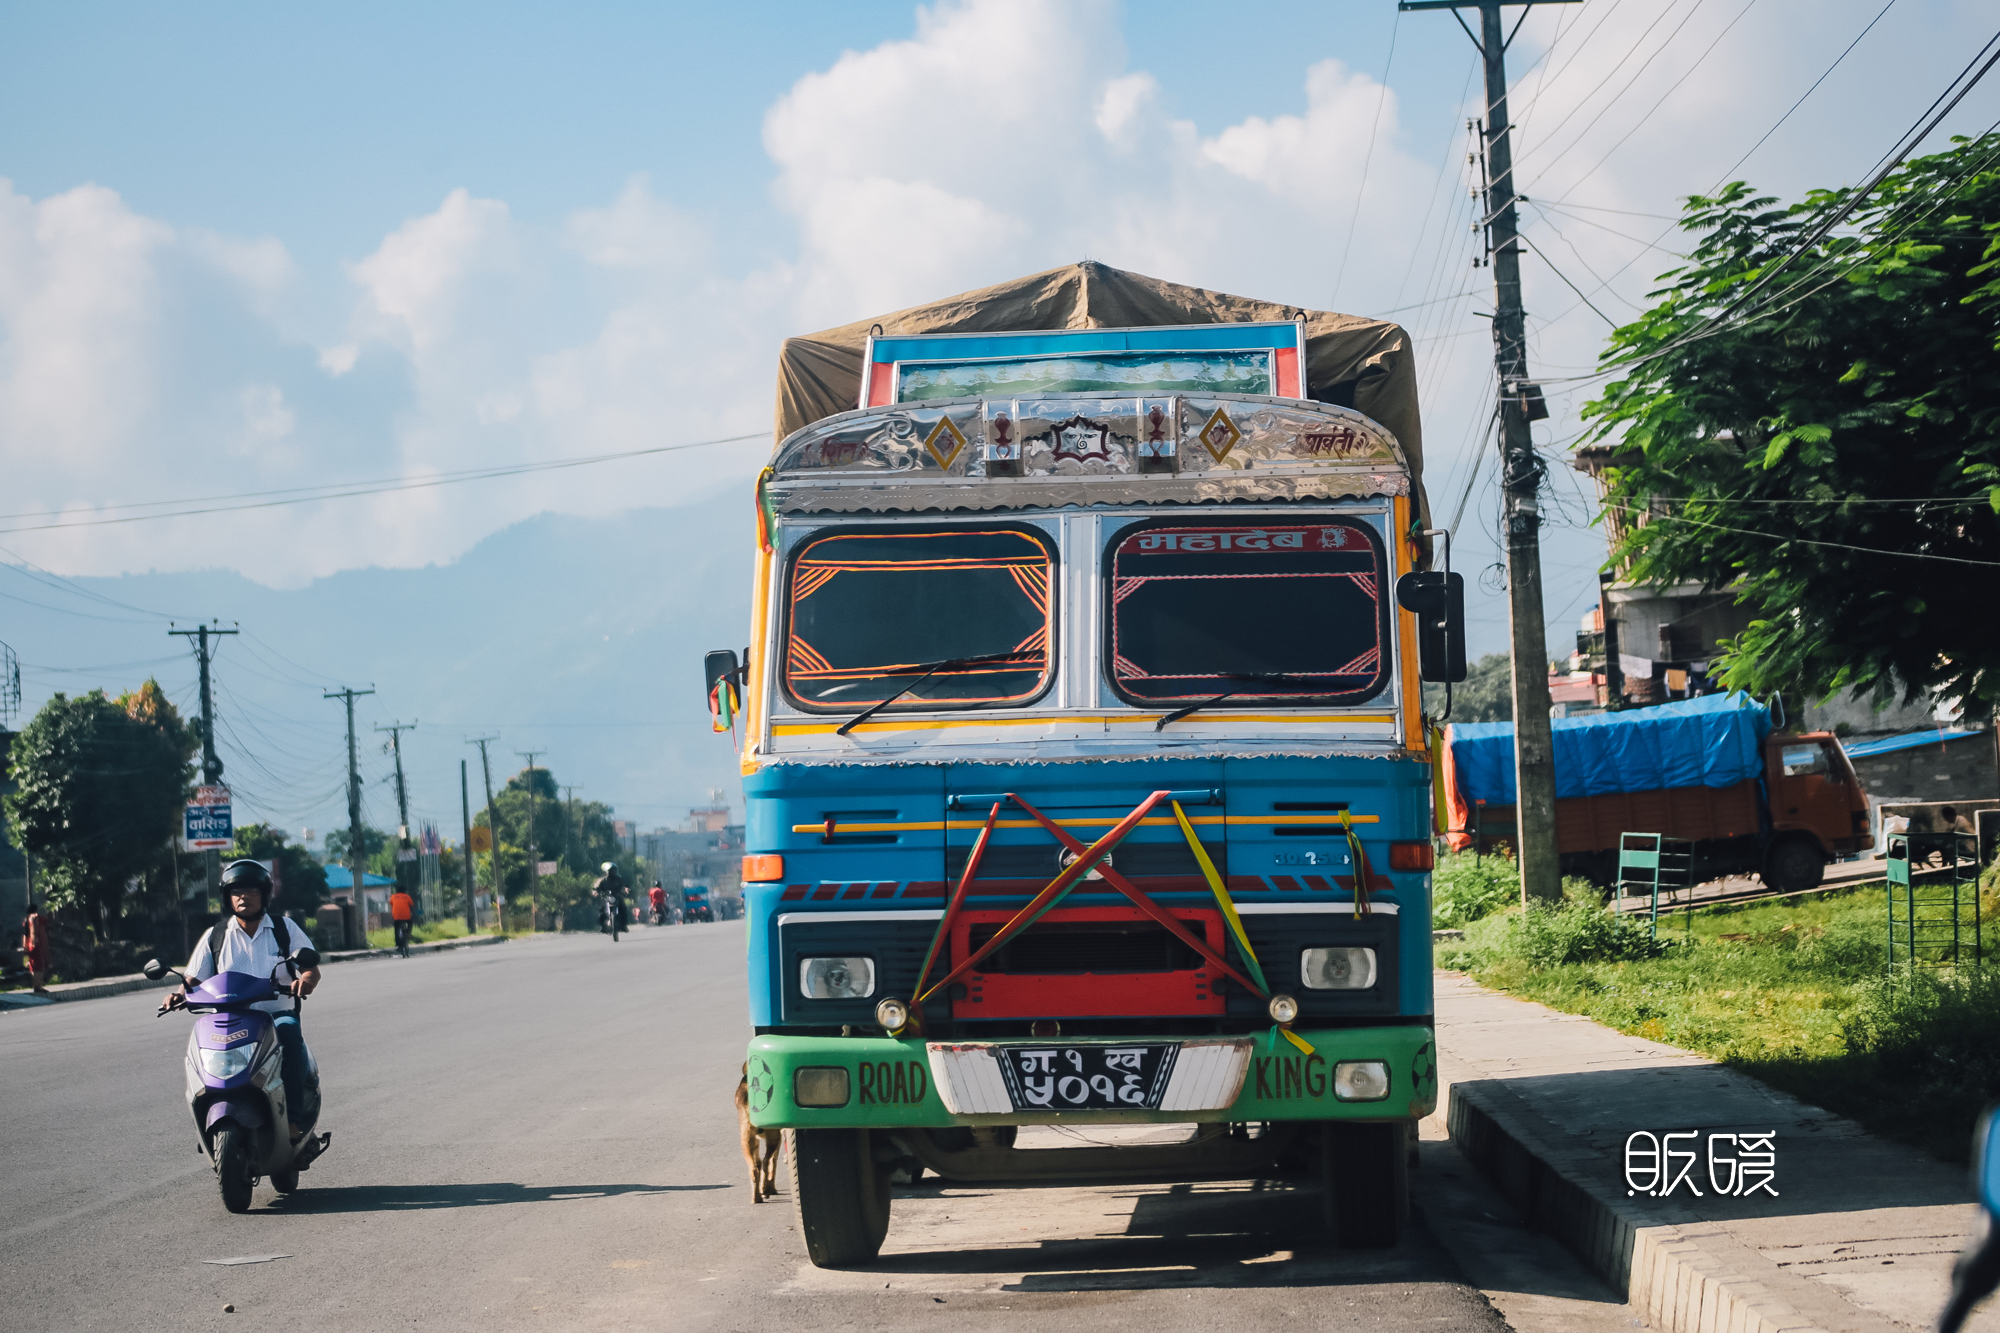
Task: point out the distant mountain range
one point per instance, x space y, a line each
580 639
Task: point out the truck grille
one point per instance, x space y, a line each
1052 948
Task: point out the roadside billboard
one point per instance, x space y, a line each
209 826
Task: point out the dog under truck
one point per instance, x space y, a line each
1082 746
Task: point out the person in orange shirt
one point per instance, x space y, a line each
402 908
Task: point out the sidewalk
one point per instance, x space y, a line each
102 987
1860 1239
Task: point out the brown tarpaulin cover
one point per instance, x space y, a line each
820 374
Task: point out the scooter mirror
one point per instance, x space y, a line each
306 957
154 969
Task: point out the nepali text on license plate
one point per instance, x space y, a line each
1086 1078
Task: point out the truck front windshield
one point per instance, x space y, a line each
870 612
1285 611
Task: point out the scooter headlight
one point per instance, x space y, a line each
226 1064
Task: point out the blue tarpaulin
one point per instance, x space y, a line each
1909 740
1714 741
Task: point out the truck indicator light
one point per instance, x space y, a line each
1402 856
763 868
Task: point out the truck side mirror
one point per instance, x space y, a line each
725 678
718 665
1438 601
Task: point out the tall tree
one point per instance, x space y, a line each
100 789
1822 434
301 877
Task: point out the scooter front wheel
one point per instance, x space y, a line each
232 1166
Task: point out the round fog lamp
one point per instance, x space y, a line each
1283 1008
892 1014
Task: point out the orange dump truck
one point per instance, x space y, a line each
1709 770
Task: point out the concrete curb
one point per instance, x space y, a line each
1682 1276
99 990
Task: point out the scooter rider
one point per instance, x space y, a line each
247 941
616 895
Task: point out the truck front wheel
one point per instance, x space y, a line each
841 1196
1365 1183
1794 865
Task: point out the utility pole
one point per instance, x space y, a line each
493 829
357 855
1521 470
569 819
396 730
211 766
465 871
534 851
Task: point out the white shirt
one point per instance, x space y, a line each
256 954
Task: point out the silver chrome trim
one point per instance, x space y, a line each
859 916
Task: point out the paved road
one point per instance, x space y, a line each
540 1135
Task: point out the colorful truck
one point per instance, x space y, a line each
1711 771
1080 728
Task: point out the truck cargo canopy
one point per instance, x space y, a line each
1713 741
1365 364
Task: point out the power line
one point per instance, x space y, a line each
254 500
1367 161
1805 541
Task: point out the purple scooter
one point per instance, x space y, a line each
235 1086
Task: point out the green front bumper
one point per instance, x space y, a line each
893 1082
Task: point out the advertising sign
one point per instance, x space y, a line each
209 825
547 868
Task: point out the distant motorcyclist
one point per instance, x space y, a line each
658 897
617 899
402 908
249 940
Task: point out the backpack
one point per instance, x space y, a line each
278 933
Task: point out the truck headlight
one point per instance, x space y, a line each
1361 1080
820 1085
892 1014
836 978
1283 1008
1337 969
226 1064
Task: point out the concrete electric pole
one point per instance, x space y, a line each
211 765
534 850
403 844
465 870
493 831
357 852
1521 470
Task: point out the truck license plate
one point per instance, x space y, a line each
1087 1078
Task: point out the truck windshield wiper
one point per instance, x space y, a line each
1264 677
928 669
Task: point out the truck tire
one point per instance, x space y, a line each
1794 865
1365 1183
840 1195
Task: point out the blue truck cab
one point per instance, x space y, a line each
1086 775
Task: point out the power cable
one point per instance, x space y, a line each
1367 160
1805 541
409 483
1529 242
1647 115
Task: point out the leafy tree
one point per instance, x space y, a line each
373 840
1485 695
100 785
577 835
301 878
1827 443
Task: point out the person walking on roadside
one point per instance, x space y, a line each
38 947
402 913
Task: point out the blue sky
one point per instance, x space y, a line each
247 247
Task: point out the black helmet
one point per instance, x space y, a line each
248 873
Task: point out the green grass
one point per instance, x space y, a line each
427 933
1792 992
